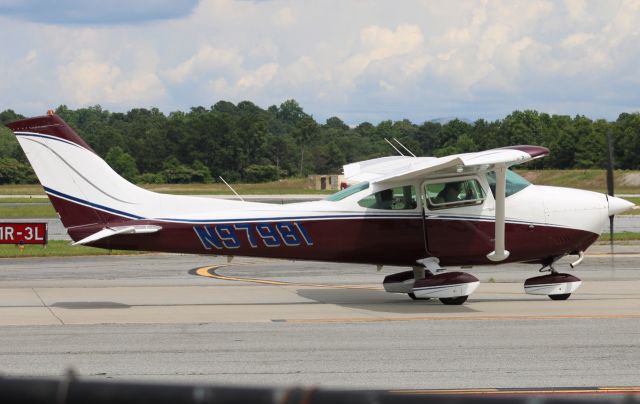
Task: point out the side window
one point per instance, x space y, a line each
398 198
451 194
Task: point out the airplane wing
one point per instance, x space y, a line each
461 163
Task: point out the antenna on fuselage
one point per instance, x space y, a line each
404 147
394 148
230 187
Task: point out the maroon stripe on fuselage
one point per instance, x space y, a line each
388 241
51 125
466 242
367 240
73 214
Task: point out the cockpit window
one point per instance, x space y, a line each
452 194
399 198
515 183
340 195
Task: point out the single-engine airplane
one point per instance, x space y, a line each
419 212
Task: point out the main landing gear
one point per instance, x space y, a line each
452 288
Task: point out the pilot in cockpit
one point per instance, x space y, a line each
450 193
384 199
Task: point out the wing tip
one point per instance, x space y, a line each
531 150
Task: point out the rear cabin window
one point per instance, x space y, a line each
399 198
443 195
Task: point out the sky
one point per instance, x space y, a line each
355 59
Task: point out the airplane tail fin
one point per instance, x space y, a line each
82 187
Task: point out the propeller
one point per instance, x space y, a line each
610 183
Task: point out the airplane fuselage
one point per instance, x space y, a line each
536 231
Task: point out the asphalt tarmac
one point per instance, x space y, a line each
271 322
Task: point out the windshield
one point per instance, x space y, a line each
515 183
340 195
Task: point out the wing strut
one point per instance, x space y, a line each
499 253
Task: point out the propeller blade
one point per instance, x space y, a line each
611 231
610 182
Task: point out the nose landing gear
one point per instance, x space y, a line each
556 285
452 288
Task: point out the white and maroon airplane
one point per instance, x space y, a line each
419 212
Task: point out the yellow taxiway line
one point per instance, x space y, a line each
524 392
210 272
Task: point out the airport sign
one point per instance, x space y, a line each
23 233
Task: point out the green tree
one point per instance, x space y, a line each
261 173
304 134
14 172
291 112
627 141
8 116
122 163
336 123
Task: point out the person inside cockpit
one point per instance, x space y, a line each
384 199
450 193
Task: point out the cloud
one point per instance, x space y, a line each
285 17
358 60
96 11
207 58
88 81
380 43
258 78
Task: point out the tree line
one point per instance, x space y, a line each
245 143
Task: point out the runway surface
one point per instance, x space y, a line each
272 322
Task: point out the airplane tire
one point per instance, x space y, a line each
414 297
453 300
563 296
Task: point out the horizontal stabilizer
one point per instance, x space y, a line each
112 231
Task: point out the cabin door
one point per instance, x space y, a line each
454 224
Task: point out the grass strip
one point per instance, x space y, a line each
57 248
27 211
24 200
30 189
622 236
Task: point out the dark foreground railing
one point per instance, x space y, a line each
70 390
